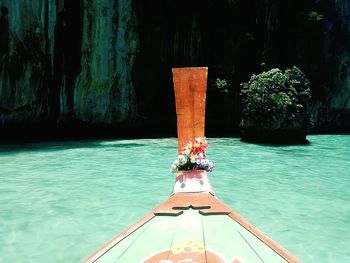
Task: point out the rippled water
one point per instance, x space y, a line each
61 201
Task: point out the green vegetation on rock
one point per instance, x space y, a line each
276 100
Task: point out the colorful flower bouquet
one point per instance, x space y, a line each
192 157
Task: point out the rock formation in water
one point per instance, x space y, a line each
108 61
275 107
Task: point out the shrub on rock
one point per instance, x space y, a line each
275 106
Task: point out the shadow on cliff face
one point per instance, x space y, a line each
217 35
25 72
236 39
4 33
67 60
13 134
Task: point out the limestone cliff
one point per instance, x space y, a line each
108 61
334 114
64 61
26 55
314 35
104 91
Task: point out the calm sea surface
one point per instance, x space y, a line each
60 201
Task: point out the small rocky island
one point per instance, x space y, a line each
275 107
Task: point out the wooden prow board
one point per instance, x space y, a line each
190 86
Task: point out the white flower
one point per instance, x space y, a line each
183 160
173 168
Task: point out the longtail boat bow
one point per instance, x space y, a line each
192 225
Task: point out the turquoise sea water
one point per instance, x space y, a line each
60 201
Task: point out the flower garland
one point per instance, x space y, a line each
192 157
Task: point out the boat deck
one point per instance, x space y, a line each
192 228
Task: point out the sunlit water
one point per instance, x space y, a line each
60 201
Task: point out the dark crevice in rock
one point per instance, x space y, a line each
4 33
195 33
67 59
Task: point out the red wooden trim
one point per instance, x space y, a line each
190 86
110 244
264 238
207 204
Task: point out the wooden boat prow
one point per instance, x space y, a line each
192 225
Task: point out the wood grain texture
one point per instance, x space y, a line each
190 86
